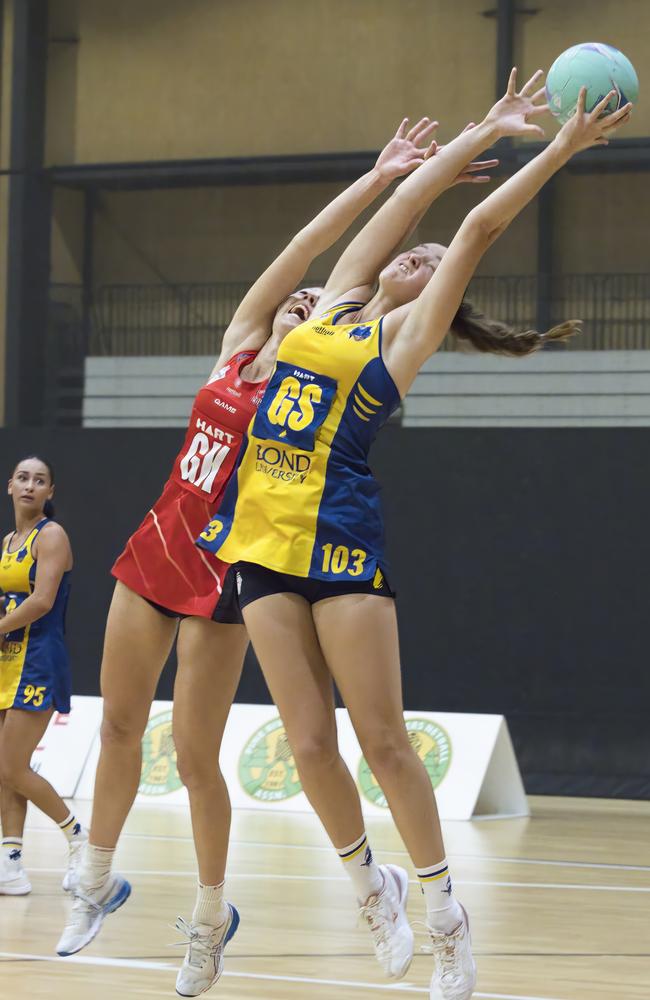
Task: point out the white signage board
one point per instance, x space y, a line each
469 758
62 754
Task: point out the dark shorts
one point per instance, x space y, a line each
227 611
255 581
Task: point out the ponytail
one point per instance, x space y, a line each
48 510
492 337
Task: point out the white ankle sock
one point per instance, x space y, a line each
210 907
444 912
71 827
12 849
95 869
364 872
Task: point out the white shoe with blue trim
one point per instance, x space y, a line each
88 914
203 963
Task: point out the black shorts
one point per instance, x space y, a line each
227 611
255 581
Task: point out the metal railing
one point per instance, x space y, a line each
189 319
162 319
614 308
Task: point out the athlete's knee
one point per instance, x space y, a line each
13 775
197 770
387 750
121 728
314 751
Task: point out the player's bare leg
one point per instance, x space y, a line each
282 630
210 660
137 642
359 638
13 809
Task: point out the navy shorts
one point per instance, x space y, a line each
254 582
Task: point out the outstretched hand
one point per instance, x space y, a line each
510 115
588 128
408 149
472 173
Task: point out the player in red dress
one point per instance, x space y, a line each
160 562
167 589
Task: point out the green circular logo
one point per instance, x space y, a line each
267 770
159 774
432 745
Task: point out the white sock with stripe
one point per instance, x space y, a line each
12 849
364 872
444 912
71 827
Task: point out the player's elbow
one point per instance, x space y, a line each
308 243
41 605
480 229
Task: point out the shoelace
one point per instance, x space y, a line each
442 947
374 915
201 947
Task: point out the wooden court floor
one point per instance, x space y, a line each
560 906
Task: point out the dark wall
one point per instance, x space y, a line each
520 557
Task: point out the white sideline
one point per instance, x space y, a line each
135 963
267 845
268 876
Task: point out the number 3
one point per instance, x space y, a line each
210 533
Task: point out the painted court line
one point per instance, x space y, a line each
135 963
272 876
268 845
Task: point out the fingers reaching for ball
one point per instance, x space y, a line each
595 127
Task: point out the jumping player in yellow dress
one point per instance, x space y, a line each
35 567
162 578
302 522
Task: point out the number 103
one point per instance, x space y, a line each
338 560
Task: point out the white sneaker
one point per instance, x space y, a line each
75 854
454 976
88 914
203 963
13 878
385 914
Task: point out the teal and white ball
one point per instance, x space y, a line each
596 66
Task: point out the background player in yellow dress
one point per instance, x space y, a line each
35 679
303 524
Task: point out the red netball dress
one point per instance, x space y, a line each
160 561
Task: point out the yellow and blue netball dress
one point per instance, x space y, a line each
303 501
34 665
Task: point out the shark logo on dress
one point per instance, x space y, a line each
359 332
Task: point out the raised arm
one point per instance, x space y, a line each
251 323
383 234
412 333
